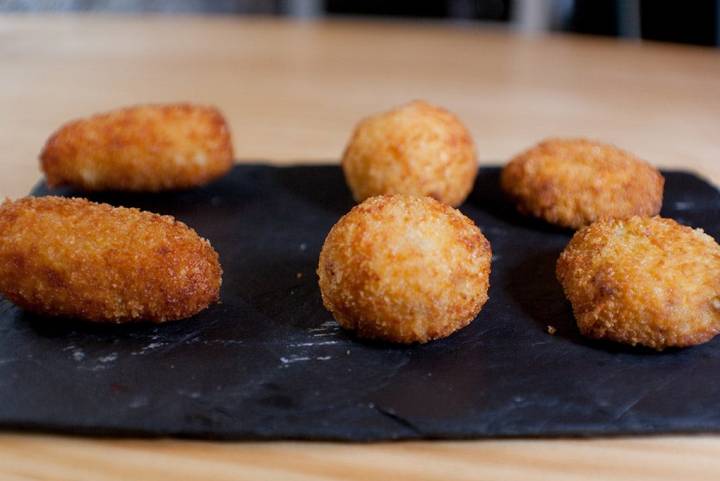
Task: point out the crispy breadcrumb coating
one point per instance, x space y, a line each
574 182
404 269
74 258
416 149
143 148
647 281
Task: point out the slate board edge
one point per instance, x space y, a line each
580 432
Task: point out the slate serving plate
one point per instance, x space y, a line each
270 363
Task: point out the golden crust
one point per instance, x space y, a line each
648 281
74 258
415 149
574 182
404 269
143 148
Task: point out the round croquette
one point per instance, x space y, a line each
647 281
415 149
574 182
143 148
73 258
404 269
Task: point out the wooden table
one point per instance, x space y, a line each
292 92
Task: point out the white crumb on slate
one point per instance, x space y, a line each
293 359
190 394
109 358
138 402
684 205
313 344
327 328
150 347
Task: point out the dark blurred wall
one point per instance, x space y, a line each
595 17
693 21
685 21
488 10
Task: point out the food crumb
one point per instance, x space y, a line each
551 330
298 275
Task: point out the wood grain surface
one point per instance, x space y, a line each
292 92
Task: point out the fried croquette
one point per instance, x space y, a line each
143 148
647 281
404 269
415 149
79 259
574 182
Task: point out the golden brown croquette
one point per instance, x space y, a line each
647 281
404 269
74 258
574 182
143 148
416 149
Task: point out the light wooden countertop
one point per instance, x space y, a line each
292 92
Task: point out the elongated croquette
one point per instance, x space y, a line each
574 182
74 258
142 148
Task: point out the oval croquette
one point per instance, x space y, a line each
574 182
74 258
647 281
143 148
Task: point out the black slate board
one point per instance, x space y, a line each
270 363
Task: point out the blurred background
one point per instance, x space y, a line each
691 22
